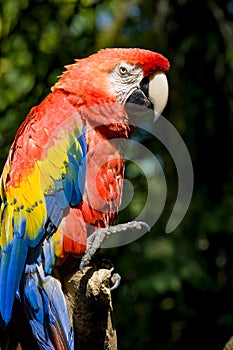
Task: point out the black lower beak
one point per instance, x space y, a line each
139 98
140 95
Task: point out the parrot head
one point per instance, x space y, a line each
135 76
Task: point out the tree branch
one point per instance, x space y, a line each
89 302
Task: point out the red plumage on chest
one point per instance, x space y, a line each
102 192
105 170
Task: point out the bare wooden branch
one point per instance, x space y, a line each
90 306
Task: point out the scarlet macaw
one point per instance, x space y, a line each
58 185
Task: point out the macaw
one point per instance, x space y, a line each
63 179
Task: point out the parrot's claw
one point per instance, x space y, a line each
116 280
95 240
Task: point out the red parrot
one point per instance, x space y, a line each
63 179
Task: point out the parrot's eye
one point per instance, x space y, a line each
123 70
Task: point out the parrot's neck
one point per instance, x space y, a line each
107 117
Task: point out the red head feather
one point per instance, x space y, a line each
86 76
148 60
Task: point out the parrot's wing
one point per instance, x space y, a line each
33 206
46 310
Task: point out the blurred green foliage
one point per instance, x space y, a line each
177 289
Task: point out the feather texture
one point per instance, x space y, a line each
62 180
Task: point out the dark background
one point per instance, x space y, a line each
176 290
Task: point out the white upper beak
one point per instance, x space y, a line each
158 92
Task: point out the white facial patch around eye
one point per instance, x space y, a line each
124 84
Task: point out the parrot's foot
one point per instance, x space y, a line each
95 240
106 264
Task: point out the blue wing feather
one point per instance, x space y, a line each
5 260
56 213
60 194
9 274
19 230
68 184
47 312
48 254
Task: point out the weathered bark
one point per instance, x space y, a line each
229 344
89 302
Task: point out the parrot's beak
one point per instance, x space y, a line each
153 93
158 92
